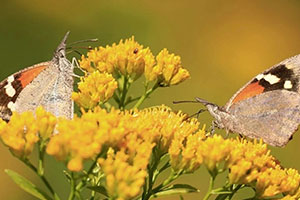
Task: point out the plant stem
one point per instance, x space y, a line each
124 92
173 176
210 187
41 158
146 95
72 192
42 177
82 183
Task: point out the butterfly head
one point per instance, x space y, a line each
221 116
60 52
59 58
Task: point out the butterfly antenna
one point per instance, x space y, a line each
188 101
198 113
83 41
73 50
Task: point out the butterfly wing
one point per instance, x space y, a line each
52 89
47 84
273 116
283 76
11 87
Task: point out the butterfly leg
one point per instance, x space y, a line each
212 129
76 64
227 134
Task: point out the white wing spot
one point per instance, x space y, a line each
288 85
10 91
289 66
10 79
11 106
259 76
272 79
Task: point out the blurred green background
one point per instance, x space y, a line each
222 43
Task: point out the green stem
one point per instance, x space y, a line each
169 180
82 183
146 95
124 92
210 187
41 158
42 177
72 192
128 101
151 171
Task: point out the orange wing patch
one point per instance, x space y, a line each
28 75
249 91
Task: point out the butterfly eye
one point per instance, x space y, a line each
136 50
61 53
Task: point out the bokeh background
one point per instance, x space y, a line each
222 43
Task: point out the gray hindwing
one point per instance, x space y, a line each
273 116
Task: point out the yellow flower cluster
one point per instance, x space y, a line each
130 137
21 132
248 163
131 59
46 122
128 58
125 175
94 89
83 138
168 69
247 160
183 151
273 181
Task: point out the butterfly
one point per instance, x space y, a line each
267 107
48 84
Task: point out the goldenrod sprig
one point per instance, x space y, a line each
126 62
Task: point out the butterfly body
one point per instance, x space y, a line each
48 84
267 107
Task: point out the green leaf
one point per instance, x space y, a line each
221 192
27 186
99 189
176 189
222 197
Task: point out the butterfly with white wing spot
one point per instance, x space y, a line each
267 107
48 84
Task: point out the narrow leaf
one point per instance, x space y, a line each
27 186
99 189
222 197
176 189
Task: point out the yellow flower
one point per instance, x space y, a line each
124 180
20 133
82 138
128 58
94 89
168 69
128 130
98 59
276 180
45 122
183 152
166 125
247 160
215 150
